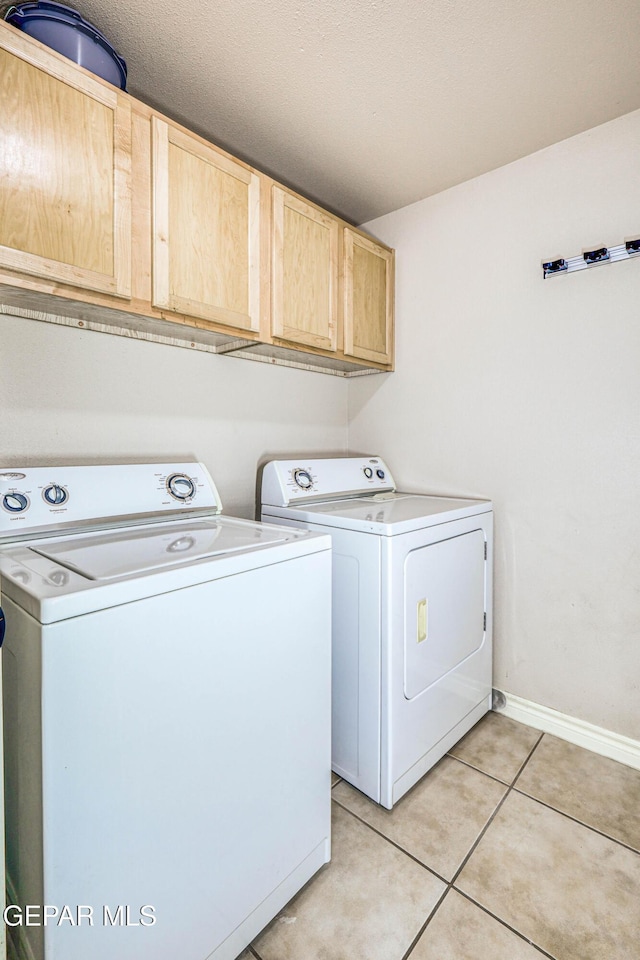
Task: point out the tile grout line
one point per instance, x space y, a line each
475 843
504 923
392 842
520 771
477 769
495 813
450 883
424 926
512 788
580 823
562 813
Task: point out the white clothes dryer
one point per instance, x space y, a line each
412 614
166 713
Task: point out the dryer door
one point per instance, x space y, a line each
444 608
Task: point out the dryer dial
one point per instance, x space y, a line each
303 478
181 487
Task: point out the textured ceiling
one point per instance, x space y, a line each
368 105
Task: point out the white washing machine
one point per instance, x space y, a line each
412 614
166 713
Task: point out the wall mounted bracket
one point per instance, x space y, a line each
589 258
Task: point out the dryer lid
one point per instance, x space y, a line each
385 514
130 552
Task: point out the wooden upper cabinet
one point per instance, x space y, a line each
206 257
304 293
213 242
65 171
368 299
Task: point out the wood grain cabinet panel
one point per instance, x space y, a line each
304 272
368 299
116 218
206 258
65 170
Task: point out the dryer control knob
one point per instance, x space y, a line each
181 487
368 472
303 478
15 502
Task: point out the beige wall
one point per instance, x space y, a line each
81 396
528 392
507 386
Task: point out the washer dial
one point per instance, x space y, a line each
55 495
303 478
59 578
368 472
181 487
15 502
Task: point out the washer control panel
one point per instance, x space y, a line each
291 481
38 500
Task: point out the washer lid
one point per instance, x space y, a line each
69 576
386 514
128 552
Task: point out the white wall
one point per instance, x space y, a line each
78 396
528 392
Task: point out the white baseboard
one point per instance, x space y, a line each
587 735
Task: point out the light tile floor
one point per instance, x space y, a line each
516 846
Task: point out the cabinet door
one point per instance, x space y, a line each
305 272
368 298
65 171
205 231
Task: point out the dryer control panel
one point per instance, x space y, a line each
296 481
43 500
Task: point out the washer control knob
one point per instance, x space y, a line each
181 487
15 502
380 474
59 578
368 472
303 478
55 495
